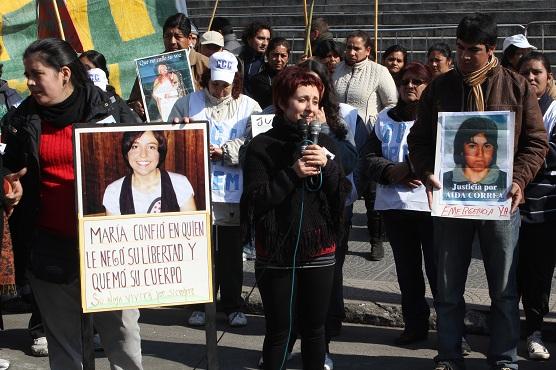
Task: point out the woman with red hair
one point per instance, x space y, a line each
293 202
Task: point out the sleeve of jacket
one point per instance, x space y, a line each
386 89
532 146
421 139
231 148
374 163
348 155
180 108
135 94
14 157
126 114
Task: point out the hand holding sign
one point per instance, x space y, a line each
517 196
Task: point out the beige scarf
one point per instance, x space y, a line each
474 80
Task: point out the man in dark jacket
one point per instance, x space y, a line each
176 36
256 38
478 84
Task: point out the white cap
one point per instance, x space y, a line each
519 41
223 66
212 37
98 77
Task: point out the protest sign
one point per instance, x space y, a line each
261 123
144 221
120 30
474 164
163 79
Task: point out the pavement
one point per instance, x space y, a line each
373 322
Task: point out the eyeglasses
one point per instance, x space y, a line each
414 82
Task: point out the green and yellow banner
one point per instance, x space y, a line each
122 30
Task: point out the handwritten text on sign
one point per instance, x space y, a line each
501 212
261 123
145 261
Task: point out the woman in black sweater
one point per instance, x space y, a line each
292 204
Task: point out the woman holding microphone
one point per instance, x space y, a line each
292 205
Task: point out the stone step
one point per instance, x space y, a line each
348 20
281 7
395 4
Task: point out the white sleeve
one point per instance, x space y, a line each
111 198
386 89
180 109
182 187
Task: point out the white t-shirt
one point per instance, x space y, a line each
146 202
393 136
549 118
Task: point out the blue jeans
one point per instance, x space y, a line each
453 239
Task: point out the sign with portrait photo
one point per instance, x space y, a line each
163 79
474 164
143 206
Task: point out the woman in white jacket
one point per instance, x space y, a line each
228 113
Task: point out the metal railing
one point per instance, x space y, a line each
542 25
406 35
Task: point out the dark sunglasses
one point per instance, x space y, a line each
414 82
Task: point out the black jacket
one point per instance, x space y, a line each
261 86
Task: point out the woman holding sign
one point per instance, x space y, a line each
39 136
228 113
401 198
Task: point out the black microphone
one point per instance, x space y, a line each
304 133
314 130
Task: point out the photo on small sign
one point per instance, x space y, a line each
163 79
474 158
147 171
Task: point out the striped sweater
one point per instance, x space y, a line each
540 194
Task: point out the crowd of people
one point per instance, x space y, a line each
376 140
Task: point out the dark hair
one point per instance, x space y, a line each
56 54
470 128
536 55
237 83
392 49
277 41
478 28
222 25
419 69
510 51
178 20
442 48
129 138
363 35
320 25
252 29
288 80
324 47
98 60
329 100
